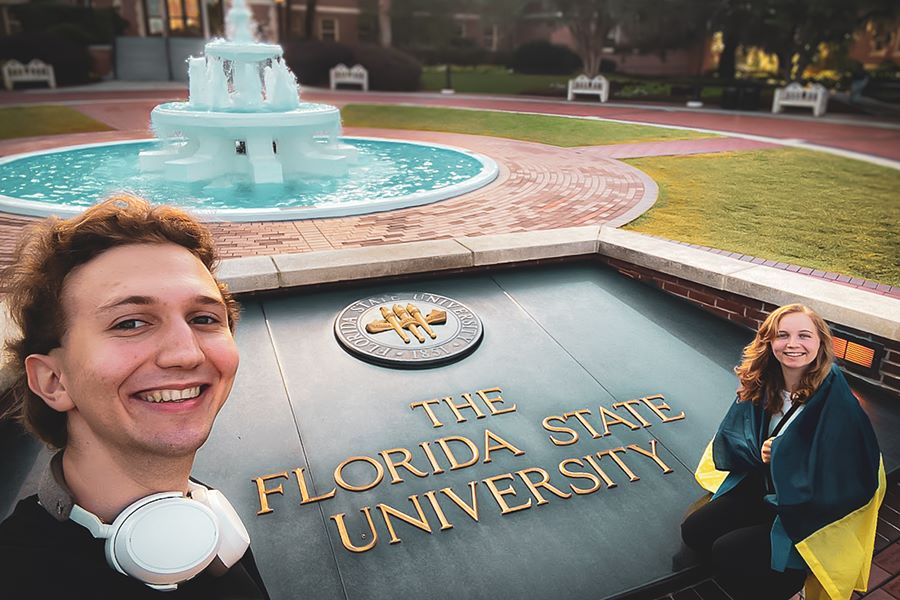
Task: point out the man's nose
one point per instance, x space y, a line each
179 347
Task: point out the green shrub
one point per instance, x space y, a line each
71 61
100 25
389 69
541 57
311 60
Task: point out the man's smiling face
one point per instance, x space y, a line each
147 358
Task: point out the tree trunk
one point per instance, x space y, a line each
384 23
784 64
309 25
728 58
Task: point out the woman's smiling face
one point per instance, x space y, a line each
147 358
796 343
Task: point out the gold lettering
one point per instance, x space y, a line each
454 463
606 478
549 427
543 483
578 415
469 403
612 454
505 508
388 511
579 475
490 402
658 408
435 468
339 474
469 509
345 537
614 419
634 413
445 524
651 454
501 443
304 490
392 466
426 404
264 493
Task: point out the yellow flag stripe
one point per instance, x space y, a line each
840 554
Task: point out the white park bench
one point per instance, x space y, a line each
36 70
599 86
356 75
814 97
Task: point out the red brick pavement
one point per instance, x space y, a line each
540 187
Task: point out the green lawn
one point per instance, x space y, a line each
30 121
558 131
796 206
493 80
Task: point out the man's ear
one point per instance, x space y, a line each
43 373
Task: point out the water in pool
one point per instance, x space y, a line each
387 170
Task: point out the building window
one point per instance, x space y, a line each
491 38
184 17
328 30
155 14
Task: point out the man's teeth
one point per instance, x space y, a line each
171 395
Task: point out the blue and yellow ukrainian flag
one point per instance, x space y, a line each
829 482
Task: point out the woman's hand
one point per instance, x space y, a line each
766 452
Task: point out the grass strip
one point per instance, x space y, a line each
545 129
28 121
480 80
789 205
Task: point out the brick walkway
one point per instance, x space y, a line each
539 187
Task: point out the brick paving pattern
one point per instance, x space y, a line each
540 187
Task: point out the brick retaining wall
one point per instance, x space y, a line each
750 313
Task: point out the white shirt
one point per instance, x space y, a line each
785 406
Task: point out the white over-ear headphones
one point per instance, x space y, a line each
167 538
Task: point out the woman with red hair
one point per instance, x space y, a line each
795 470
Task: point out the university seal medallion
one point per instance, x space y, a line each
408 329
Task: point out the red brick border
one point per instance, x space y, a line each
750 313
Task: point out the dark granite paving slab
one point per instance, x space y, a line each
255 426
539 331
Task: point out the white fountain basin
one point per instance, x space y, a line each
267 146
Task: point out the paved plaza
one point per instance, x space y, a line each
539 186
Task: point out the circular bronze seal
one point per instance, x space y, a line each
408 329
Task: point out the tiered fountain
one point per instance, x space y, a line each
244 148
244 116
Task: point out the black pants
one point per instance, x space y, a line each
733 533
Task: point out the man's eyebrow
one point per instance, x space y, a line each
149 300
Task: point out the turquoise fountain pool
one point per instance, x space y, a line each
388 175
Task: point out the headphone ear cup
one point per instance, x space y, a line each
163 539
233 537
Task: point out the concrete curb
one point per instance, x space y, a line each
859 309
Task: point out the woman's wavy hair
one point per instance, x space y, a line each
760 372
51 249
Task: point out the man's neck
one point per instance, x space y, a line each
104 484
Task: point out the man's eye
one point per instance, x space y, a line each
130 324
205 320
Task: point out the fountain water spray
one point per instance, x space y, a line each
244 116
